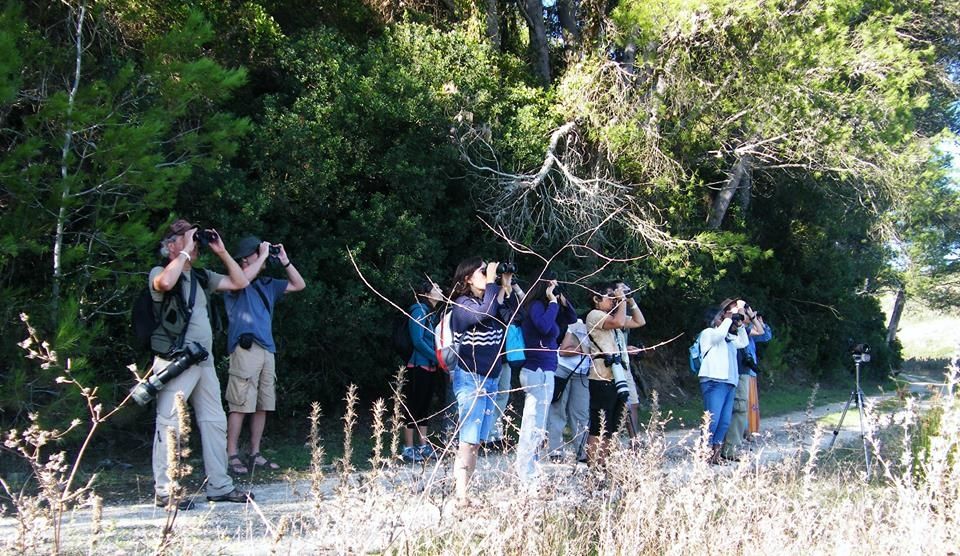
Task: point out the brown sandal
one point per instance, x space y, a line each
267 464
236 465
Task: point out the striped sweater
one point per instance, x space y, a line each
478 328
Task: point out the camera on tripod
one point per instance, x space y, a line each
860 353
181 360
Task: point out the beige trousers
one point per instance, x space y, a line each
201 389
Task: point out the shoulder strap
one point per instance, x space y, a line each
187 307
704 354
263 296
600 349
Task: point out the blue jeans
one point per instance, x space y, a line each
475 405
538 392
718 401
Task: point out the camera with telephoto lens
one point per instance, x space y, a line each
181 360
860 352
619 378
205 237
507 268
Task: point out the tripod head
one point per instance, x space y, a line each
860 353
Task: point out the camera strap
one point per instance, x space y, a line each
188 307
263 296
602 353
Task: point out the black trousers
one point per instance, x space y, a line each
604 401
418 392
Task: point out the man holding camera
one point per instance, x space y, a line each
251 386
188 316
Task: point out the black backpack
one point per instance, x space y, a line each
402 343
151 333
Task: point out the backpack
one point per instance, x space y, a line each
402 343
696 358
447 350
161 326
514 344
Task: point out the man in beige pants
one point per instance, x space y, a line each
184 321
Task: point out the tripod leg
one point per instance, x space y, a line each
836 431
863 432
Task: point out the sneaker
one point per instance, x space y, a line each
235 495
411 455
426 451
494 445
182 505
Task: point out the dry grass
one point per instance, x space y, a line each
647 499
644 501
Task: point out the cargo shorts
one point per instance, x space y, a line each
252 382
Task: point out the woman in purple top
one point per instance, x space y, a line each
545 314
478 330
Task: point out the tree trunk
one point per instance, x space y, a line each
64 155
722 201
493 23
567 15
532 12
895 315
746 186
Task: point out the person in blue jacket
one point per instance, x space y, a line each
423 379
545 314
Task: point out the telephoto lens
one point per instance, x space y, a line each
620 381
189 356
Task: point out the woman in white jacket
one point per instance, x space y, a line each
718 375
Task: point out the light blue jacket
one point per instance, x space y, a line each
421 327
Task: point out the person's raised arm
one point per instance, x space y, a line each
235 279
252 270
636 319
166 279
543 316
717 334
471 311
295 281
568 315
618 317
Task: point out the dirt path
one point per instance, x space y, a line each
286 518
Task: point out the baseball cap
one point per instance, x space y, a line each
179 227
247 246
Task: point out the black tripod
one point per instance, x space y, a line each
856 397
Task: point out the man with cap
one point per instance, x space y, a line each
251 386
198 384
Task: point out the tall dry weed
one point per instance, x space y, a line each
41 503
